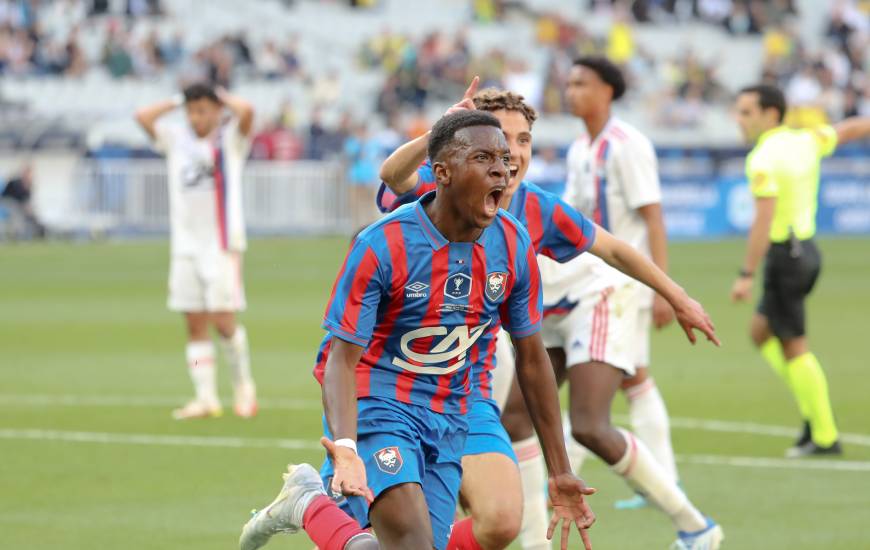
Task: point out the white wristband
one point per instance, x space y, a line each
346 442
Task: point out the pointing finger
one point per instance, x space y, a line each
472 88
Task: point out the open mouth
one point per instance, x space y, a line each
493 199
514 170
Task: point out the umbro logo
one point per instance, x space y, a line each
416 290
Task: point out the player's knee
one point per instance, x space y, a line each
498 526
590 433
758 336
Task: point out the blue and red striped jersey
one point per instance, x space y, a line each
426 309
557 231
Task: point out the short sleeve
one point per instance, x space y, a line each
760 174
636 162
521 312
387 201
570 193
826 138
568 233
239 143
165 133
352 311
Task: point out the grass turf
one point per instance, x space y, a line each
89 322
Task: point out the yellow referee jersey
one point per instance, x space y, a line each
785 163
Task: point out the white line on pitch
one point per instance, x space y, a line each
778 463
150 439
710 425
48 400
306 445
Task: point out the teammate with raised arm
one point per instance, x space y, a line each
559 232
205 156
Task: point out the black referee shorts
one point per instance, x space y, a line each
790 272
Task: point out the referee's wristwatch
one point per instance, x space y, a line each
745 273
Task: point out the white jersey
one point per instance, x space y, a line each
609 178
205 187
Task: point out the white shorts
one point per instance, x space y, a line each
211 282
642 329
603 327
505 368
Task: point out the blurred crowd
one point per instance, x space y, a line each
827 82
57 37
141 39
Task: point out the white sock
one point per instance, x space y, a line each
645 475
235 349
533 474
200 365
649 420
577 453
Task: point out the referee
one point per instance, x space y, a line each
783 174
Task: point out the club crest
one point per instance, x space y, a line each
389 460
457 286
495 285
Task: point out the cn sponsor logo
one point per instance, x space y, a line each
452 348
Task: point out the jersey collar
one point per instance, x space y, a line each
768 133
433 236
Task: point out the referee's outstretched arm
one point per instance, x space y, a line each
852 129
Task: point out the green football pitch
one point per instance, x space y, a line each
91 363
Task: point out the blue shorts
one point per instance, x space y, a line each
401 443
485 432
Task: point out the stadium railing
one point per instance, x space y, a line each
130 197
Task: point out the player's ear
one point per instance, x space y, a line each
442 173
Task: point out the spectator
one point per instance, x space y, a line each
363 156
269 62
116 55
17 199
277 142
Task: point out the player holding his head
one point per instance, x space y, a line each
783 173
558 232
419 301
205 157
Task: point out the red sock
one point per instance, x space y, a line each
462 537
327 525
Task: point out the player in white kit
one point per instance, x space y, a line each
205 155
597 320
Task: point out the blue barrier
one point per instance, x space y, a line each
705 195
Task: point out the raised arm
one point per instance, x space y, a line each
852 129
399 171
538 385
147 116
626 259
240 107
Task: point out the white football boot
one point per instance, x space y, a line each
708 538
198 409
302 484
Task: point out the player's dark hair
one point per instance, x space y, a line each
198 91
492 99
445 129
769 97
606 70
